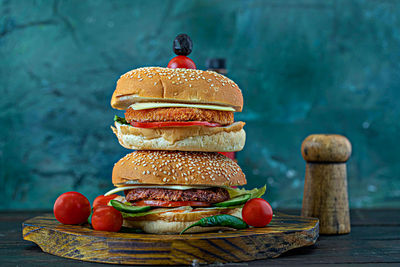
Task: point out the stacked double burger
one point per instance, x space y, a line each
177 120
178 109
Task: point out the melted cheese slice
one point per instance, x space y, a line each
149 105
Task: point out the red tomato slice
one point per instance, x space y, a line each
160 124
163 203
230 155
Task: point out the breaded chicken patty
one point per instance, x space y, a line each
179 114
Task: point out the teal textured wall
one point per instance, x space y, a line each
304 67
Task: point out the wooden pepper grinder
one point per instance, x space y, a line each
325 187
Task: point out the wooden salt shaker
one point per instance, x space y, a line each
325 187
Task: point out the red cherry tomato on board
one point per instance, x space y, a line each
257 212
103 200
181 62
106 218
72 208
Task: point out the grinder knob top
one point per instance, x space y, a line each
326 148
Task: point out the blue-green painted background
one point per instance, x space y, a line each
304 67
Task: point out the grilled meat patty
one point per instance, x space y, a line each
179 114
211 195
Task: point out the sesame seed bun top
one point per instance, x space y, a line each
177 168
155 84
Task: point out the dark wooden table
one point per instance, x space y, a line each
374 240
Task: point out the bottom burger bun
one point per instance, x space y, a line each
175 222
193 138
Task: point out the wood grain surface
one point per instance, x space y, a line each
284 233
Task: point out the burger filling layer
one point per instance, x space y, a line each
179 115
173 134
209 195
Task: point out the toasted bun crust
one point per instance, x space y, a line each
196 138
157 84
175 222
177 168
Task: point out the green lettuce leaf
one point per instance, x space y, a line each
120 120
255 192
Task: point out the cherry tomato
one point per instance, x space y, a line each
181 62
103 200
160 124
163 203
72 208
257 212
106 218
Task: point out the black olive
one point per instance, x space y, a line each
182 45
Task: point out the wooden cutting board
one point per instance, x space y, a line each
284 233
